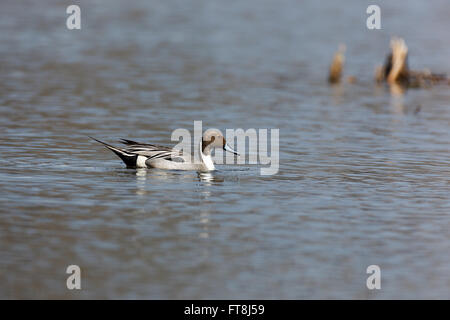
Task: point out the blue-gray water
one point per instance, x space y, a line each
364 175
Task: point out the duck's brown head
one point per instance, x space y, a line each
213 138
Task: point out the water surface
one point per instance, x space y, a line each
364 175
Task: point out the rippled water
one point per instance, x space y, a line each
364 175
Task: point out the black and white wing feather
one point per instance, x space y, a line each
135 153
151 151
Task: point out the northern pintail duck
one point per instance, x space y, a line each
145 155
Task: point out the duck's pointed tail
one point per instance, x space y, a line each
128 158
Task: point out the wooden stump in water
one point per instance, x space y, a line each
396 70
337 65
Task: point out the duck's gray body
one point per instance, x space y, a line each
145 155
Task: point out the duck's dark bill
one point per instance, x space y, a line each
226 147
